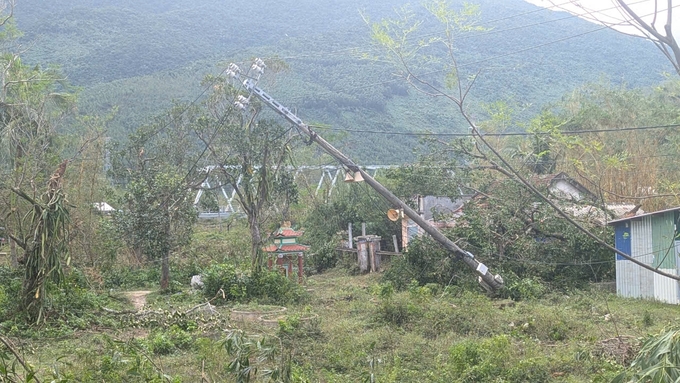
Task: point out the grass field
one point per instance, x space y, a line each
352 329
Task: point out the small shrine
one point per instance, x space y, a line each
288 252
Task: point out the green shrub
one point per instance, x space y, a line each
180 338
490 360
266 286
325 257
396 309
525 289
160 343
426 262
226 277
274 288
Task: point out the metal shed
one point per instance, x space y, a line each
653 239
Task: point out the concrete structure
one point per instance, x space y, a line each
368 247
653 239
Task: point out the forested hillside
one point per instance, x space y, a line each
139 56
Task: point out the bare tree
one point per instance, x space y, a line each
651 20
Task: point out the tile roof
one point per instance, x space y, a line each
286 248
287 232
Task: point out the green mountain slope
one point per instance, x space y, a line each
139 56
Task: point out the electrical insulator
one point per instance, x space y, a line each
257 69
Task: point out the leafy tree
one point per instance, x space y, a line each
157 169
251 155
33 103
589 135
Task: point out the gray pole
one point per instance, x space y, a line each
493 282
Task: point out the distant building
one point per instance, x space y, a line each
571 196
438 211
652 239
563 187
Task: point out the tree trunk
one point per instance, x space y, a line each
256 238
139 256
165 260
13 253
165 271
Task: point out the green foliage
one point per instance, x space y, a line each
130 277
255 359
512 230
325 257
275 288
394 309
486 360
657 360
225 277
166 341
425 261
524 288
326 224
269 287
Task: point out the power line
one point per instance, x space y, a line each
506 134
495 57
466 36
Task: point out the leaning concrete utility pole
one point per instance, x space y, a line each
488 280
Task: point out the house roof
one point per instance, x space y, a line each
290 248
549 180
643 215
443 205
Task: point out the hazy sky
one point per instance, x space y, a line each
609 12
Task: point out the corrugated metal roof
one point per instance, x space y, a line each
643 215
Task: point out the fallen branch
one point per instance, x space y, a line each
8 344
224 296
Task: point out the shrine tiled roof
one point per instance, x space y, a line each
286 248
287 232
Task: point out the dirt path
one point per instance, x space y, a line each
137 298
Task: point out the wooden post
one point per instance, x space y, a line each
373 256
269 262
349 230
396 246
290 266
300 267
362 254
